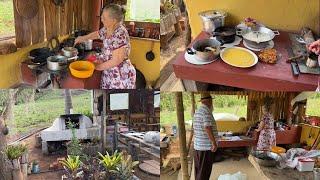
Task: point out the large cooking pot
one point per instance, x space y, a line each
213 19
266 158
70 52
225 34
57 63
262 35
200 50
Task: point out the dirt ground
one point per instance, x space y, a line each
46 160
228 166
176 45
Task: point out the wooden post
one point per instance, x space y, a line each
193 109
182 136
103 123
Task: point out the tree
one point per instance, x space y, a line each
68 108
6 115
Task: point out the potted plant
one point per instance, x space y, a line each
72 166
13 153
125 168
111 163
91 148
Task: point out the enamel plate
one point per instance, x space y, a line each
229 61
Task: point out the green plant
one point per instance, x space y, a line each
110 163
15 151
125 169
71 165
74 148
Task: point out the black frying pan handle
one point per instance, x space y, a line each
222 42
190 51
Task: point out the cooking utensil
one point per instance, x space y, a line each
70 52
88 45
40 55
82 69
27 8
266 158
212 19
222 53
56 63
54 44
225 34
262 35
199 49
295 69
150 54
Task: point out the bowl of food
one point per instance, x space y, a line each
82 69
205 50
239 57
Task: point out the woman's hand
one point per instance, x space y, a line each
261 126
79 39
93 35
315 47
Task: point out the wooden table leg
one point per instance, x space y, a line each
194 86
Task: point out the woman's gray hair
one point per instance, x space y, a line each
116 11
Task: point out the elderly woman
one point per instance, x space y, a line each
267 137
118 72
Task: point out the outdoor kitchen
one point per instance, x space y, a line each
243 46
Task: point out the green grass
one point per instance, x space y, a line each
313 105
6 18
46 109
222 103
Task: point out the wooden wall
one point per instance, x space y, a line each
52 21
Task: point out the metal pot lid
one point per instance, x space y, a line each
212 14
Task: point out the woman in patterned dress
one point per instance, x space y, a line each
267 137
118 72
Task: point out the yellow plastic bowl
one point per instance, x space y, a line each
82 69
278 150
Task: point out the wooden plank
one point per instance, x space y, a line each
48 19
64 19
26 32
22 29
79 14
150 167
70 16
18 26
37 25
85 14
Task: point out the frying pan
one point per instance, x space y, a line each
150 54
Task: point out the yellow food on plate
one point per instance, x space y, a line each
238 57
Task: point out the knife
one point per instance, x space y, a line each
295 69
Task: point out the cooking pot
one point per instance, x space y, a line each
201 49
88 45
213 19
225 34
56 63
266 158
262 35
70 52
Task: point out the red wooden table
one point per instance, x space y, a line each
67 81
244 142
261 77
